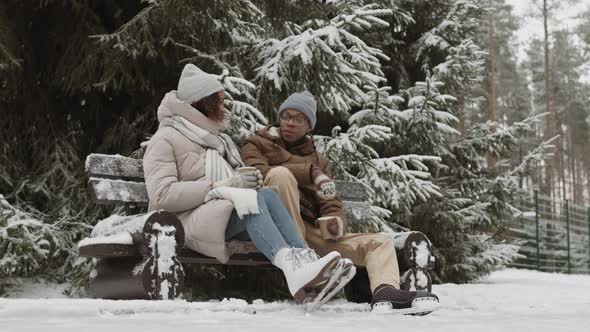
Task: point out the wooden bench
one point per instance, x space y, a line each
140 256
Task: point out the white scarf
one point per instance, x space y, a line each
217 167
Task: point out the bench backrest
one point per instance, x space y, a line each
114 179
117 179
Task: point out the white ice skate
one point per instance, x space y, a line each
305 271
340 276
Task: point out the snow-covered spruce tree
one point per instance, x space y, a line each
27 245
212 35
476 204
394 183
394 144
425 120
57 187
10 65
464 222
324 57
467 220
329 58
471 207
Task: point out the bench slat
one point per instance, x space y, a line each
114 167
116 224
109 191
108 250
351 191
189 256
357 212
185 255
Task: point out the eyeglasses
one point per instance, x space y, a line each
298 120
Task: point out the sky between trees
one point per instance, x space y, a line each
532 27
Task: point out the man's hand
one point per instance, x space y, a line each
326 187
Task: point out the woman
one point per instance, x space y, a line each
189 168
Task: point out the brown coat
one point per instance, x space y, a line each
267 149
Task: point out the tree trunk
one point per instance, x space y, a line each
579 181
462 115
561 165
492 82
572 165
548 187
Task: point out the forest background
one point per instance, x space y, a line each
439 107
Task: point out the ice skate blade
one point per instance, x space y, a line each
422 309
341 278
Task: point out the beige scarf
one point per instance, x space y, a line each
222 154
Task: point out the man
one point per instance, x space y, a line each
287 158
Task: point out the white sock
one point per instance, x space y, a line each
279 257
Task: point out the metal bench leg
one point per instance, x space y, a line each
155 275
416 279
163 237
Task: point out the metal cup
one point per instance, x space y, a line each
247 169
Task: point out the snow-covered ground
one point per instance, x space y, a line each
509 300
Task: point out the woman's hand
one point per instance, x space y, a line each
246 180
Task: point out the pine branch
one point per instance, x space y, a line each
7 60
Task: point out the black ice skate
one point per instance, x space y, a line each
390 300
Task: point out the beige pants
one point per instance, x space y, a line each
374 251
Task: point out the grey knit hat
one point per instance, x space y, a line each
303 102
195 84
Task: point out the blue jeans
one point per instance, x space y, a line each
271 230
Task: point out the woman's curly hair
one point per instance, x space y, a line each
209 107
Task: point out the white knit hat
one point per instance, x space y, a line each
195 84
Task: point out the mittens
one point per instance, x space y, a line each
246 180
326 187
